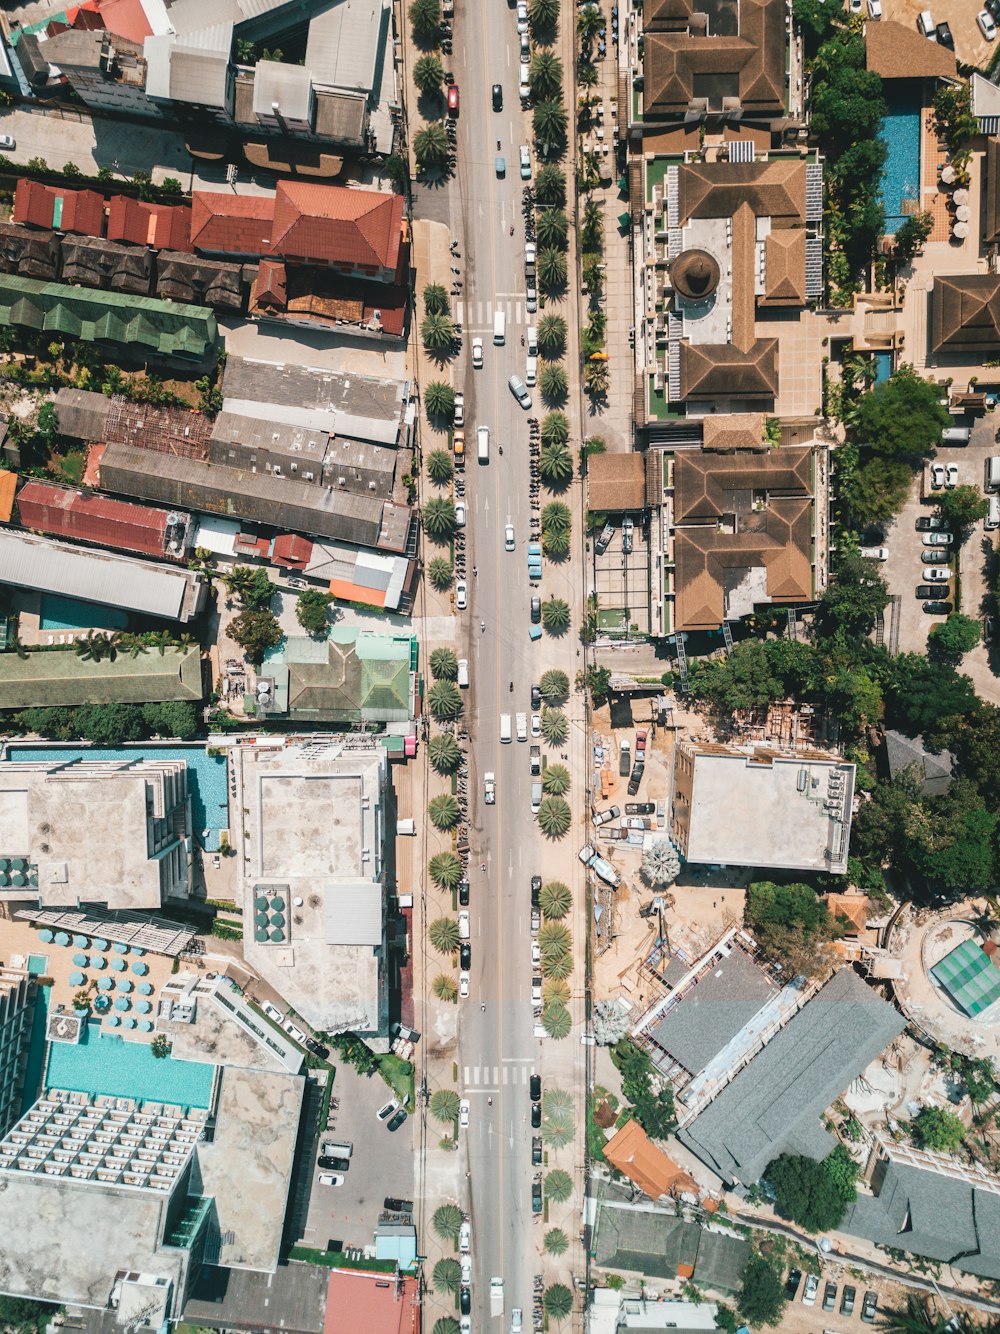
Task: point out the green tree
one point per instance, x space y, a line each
552 270
312 611
251 587
554 817
428 75
555 780
160 1050
558 1300
440 572
554 686
598 681
445 870
592 225
445 988
439 398
549 119
854 597
762 1297
443 935
446 1222
554 429
951 639
173 718
554 384
443 810
555 464
22 1312
555 940
928 698
110 724
544 14
792 925
430 145
556 1020
555 1242
445 753
550 185
553 228
902 418
810 1195
436 303
438 334
938 1130
555 616
555 900
919 1317
552 338
558 1185
439 467
961 507
558 517
545 75
439 517
444 1105
555 726
814 22
555 542
448 1274
911 235
255 632
444 664
425 16
447 1324
444 700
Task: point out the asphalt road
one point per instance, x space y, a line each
497 1048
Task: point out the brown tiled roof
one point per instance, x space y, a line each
269 291
965 314
616 482
162 226
94 262
197 278
329 297
708 485
725 371
635 1155
785 267
895 51
329 223
743 249
991 190
734 430
66 210
852 906
31 254
775 189
228 224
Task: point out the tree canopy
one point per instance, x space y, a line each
792 925
901 418
762 1297
814 1195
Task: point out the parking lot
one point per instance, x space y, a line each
621 583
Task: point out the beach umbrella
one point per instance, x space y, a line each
277 902
260 903
277 934
138 951
120 947
124 984
80 942
119 965
98 961
140 969
100 943
76 979
105 983
18 864
145 988
123 1003
260 933
143 1007
61 936
45 935
80 960
145 1026
128 1022
112 1021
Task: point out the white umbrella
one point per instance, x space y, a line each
947 175
961 230
961 196
962 213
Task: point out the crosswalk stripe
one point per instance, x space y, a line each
506 1072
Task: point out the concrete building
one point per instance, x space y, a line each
63 511
312 851
136 818
758 806
611 1313
17 996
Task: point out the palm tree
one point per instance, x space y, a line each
557 966
558 516
439 467
545 75
544 14
440 573
444 1105
558 1185
555 939
425 15
445 754
555 542
556 1020
555 899
554 384
555 616
586 73
439 398
443 934
555 464
554 685
443 700
557 1133
555 780
430 145
161 640
445 988
439 517
438 334
596 378
553 228
555 726
436 303
550 185
447 1222
446 1325
660 863
428 74
554 817
555 428
549 118
551 270
592 226
448 1274
589 22
558 1300
555 1242
443 810
444 665
445 870
551 336
555 989
917 1317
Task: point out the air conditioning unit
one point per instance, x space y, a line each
277 470
310 476
341 481
294 466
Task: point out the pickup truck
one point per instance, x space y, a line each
536 761
600 866
496 1296
490 788
625 758
534 560
604 541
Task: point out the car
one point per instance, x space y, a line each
937 539
477 354
847 1300
536 696
530 371
465 1299
934 557
463 893
986 25
397 1120
294 1032
460 513
993 6
497 97
7 141
397 1206
332 1180
640 741
536 989
516 386
604 541
333 1164
465 955
464 926
530 252
536 954
536 1115
937 476
458 412
458 446
515 1320
461 595
924 591
453 99
508 537
463 986
812 1282
536 1150
951 475
274 1013
387 1109
466 1263
792 1284
638 822
522 16
536 890
874 553
524 157
943 34
854 6
535 1088
874 9
937 608
463 1115
634 781
490 789
603 817
640 808
937 576
829 1296
627 526
989 629
465 1238
929 523
536 1197
536 611
868 1307
318 1049
536 724
500 166
531 298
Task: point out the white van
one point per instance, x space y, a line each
993 473
408 827
925 22
956 435
531 371
483 444
499 327
505 728
463 672
522 727
532 339
993 517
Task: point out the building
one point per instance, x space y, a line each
357 1300
758 806
634 1154
970 978
196 278
28 253
775 1103
90 261
351 677
616 483
363 576
202 1014
58 207
314 841
54 680
107 72
163 591
45 507
964 316
81 414
137 817
17 999
909 754
159 226
611 1313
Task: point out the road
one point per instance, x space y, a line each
497 1048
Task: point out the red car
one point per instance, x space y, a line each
640 743
453 98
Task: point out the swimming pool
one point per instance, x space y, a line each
105 1063
901 181
37 964
883 366
206 778
59 613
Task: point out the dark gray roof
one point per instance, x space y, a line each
713 1012
306 387
793 1080
82 414
904 752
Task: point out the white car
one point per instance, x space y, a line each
516 386
536 990
294 1033
331 1179
855 6
508 537
387 1109
515 1320
6 141
874 9
522 15
937 539
602 817
530 371
477 354
274 1013
937 476
460 513
490 789
464 926
951 475
465 1238
536 954
459 414
461 595
986 25
466 1270
935 574
463 1113
536 724
530 252
463 985
812 1282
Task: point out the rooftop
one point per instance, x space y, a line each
970 977
160 226
711 1012
616 482
934 770
965 314
45 507
897 51
375 1303
49 680
352 399
63 209
634 1154
348 678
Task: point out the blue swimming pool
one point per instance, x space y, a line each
59 613
104 1063
883 366
901 132
206 778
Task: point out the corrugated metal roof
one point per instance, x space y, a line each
344 43
45 679
47 508
365 396
352 913
290 86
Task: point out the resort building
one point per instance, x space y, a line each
16 1007
351 676
136 817
61 680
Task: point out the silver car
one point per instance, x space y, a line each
516 385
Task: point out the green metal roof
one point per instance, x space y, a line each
969 976
46 679
349 677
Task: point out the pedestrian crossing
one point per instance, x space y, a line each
477 316
488 1078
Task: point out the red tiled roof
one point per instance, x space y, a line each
231 224
375 1303
271 287
331 223
638 1158
53 206
292 550
46 508
126 18
162 226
